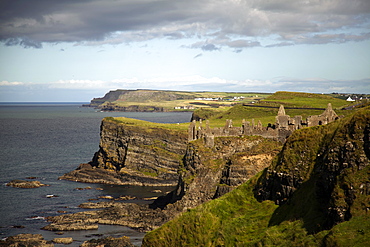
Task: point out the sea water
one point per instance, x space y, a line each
45 141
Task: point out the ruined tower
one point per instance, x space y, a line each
282 120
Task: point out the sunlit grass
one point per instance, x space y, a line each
147 124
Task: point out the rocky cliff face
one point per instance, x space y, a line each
131 154
131 108
322 174
208 173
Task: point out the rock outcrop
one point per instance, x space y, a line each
63 240
134 155
108 241
17 183
131 108
209 172
34 240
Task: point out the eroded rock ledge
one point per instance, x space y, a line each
133 155
36 240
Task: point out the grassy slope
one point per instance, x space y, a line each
238 219
310 100
235 219
149 125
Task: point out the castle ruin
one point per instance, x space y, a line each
283 127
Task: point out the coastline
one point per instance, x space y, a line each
45 141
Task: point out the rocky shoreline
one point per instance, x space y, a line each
37 240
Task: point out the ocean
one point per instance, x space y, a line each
46 140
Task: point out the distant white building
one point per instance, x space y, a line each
350 99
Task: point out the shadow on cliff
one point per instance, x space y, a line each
336 188
308 204
172 197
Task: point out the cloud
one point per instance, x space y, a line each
209 47
95 88
199 55
7 83
85 90
216 44
25 42
321 85
228 23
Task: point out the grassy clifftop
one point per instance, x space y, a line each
304 100
320 181
148 125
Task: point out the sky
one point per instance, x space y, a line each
76 50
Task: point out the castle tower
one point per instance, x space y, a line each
208 129
282 120
192 131
281 111
329 114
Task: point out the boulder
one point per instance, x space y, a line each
26 240
108 241
63 240
17 183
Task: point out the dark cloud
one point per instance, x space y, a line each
210 47
25 42
228 23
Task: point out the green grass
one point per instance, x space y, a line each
228 221
310 100
148 125
355 233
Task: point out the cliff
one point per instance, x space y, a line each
132 108
204 174
209 172
315 193
322 174
134 152
106 102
